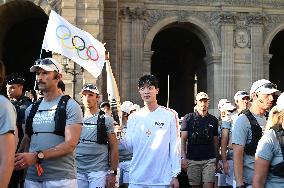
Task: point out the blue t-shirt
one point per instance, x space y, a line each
200 152
268 148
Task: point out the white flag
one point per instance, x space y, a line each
113 94
80 46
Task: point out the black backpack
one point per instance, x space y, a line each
102 137
278 169
59 117
198 136
256 130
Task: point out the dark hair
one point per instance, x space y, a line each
103 104
2 73
33 92
61 85
150 80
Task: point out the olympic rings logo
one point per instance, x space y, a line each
76 43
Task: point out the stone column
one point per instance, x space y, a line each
214 90
227 69
125 46
257 65
147 62
138 14
266 59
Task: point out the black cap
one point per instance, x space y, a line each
15 78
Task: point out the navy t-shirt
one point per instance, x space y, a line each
200 152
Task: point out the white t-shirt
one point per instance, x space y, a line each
154 139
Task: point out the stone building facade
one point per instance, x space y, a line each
236 37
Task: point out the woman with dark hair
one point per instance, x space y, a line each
269 154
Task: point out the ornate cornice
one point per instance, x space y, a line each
242 3
272 22
137 13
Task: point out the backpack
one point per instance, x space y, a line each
102 137
198 136
60 117
256 130
278 169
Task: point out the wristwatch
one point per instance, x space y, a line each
114 172
40 156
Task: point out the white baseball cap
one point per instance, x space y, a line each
125 106
240 95
201 95
263 86
222 102
90 87
48 64
227 107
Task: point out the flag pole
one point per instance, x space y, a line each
168 98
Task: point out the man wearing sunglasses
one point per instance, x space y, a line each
49 143
247 130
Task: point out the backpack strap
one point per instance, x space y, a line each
29 120
256 130
102 137
60 116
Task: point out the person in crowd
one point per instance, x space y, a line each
52 131
247 130
227 110
98 144
125 156
61 87
105 106
7 134
269 154
199 144
242 101
33 95
15 92
152 135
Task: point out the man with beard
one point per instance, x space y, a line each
199 144
52 131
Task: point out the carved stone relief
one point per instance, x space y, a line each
242 37
272 22
137 13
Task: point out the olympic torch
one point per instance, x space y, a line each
113 94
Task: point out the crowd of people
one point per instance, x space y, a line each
49 141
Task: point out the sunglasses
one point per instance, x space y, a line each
243 93
90 86
45 62
267 86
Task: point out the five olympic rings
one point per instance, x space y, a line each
78 43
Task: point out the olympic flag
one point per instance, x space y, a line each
80 46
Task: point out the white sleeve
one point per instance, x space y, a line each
126 141
175 146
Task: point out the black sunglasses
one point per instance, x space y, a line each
267 86
244 93
45 62
89 86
